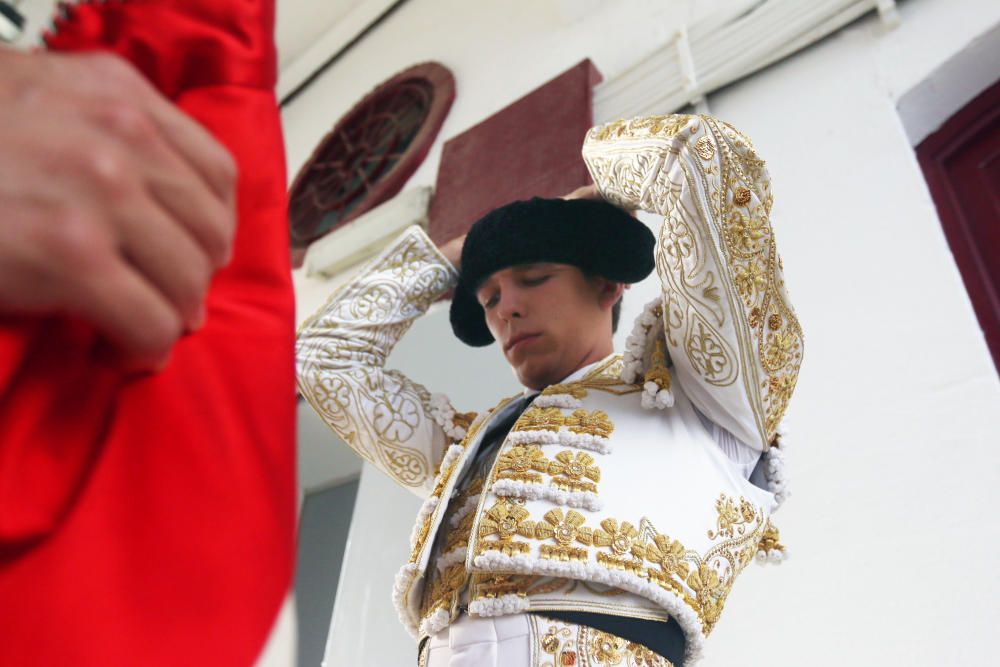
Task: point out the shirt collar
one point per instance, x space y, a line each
574 376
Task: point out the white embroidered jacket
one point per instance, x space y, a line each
638 506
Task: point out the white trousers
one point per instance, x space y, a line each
527 640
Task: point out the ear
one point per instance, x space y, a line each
609 293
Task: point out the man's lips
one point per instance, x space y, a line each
519 339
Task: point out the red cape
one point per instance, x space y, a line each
150 520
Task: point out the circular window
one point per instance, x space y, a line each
371 151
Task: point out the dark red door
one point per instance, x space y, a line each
961 162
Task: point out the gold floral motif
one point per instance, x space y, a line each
593 423
619 538
745 231
670 556
623 542
709 591
539 419
505 519
733 518
606 649
565 530
569 470
522 463
750 281
552 419
779 349
702 581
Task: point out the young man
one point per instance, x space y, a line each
602 517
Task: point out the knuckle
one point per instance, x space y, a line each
109 169
129 122
73 241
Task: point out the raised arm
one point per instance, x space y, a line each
391 421
733 337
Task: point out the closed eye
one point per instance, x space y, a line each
534 280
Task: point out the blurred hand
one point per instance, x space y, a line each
452 250
584 192
114 205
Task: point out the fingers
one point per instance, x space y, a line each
169 260
195 145
584 192
174 184
88 276
132 313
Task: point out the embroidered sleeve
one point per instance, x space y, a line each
731 332
388 419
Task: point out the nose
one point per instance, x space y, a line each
511 305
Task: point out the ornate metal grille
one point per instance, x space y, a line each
370 153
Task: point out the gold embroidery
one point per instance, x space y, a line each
573 389
569 469
564 530
622 540
593 423
725 194
523 464
443 479
742 196
506 519
770 540
606 648
569 645
705 148
652 555
539 419
552 419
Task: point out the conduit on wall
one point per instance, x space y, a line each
724 48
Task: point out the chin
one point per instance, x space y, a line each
535 378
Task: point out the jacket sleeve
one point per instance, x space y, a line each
734 340
341 352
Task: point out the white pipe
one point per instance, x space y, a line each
725 48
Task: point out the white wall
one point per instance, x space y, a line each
897 414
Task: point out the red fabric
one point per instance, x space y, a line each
533 142
150 520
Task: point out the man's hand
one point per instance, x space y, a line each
452 250
584 192
114 205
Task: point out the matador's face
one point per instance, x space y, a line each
549 319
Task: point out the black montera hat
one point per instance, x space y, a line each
593 235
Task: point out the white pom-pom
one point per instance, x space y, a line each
664 399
